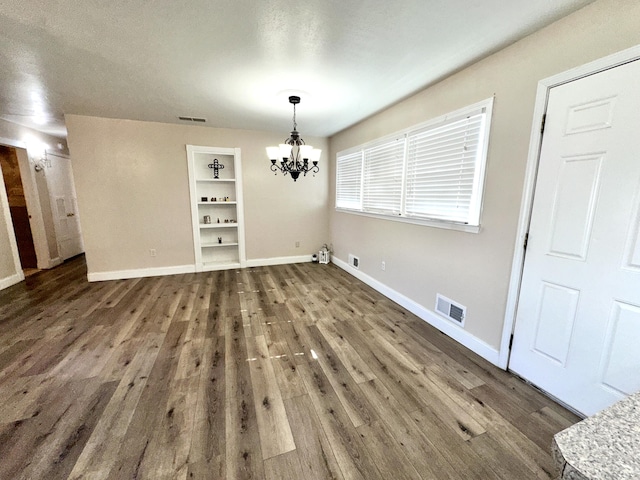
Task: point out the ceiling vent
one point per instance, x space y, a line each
450 309
192 119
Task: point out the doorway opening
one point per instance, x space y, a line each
18 207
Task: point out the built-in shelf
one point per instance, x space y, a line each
215 180
218 225
217 246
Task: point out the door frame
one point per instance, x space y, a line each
18 276
531 175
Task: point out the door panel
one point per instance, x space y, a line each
632 257
24 238
574 206
621 349
555 319
62 189
578 318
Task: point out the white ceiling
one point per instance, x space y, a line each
234 62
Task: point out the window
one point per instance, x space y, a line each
431 173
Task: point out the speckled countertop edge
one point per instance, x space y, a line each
605 446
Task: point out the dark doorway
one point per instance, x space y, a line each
18 207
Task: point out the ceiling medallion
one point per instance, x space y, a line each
295 155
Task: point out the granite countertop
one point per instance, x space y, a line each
605 446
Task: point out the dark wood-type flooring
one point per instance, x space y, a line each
286 372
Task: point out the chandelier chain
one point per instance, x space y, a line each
295 125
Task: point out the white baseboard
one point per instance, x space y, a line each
140 272
264 262
460 335
12 280
179 269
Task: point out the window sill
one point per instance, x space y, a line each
415 221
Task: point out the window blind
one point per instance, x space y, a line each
383 167
431 174
349 181
442 164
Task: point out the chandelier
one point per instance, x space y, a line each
294 154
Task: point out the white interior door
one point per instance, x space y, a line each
67 221
578 321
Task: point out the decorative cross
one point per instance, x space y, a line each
216 167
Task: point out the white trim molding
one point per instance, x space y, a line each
542 95
12 280
460 335
140 272
6 212
264 262
12 143
180 269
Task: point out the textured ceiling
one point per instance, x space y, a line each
235 62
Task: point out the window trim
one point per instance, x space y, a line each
479 176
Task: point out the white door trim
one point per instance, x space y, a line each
18 275
540 108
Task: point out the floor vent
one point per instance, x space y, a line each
193 119
450 309
354 261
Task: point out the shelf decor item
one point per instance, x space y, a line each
216 166
324 255
294 154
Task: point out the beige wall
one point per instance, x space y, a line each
133 193
474 269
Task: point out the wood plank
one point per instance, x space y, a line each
312 445
355 404
354 459
60 446
355 365
243 457
284 367
275 432
151 407
98 456
207 452
286 465
419 449
386 454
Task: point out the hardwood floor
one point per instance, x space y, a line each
286 372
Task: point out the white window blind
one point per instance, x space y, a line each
383 166
432 174
442 164
349 181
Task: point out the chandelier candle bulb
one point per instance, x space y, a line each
285 150
273 152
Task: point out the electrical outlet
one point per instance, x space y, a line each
383 266
297 244
152 252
